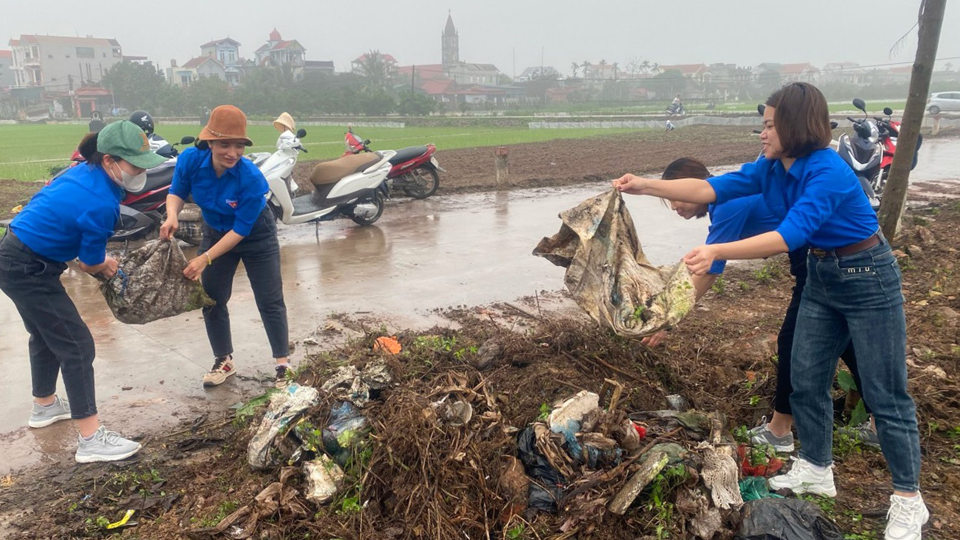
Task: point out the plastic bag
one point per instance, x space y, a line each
753 488
786 519
284 407
609 276
346 428
547 486
150 285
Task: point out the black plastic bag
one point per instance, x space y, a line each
344 432
786 519
548 484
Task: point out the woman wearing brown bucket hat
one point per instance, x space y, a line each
237 226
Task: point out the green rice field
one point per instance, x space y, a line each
27 152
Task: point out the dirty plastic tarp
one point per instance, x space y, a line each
150 285
284 407
548 483
609 276
358 387
786 519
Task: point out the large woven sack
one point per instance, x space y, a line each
609 276
150 285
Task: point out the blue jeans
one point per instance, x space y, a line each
855 298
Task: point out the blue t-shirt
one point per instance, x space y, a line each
231 202
819 201
737 219
72 217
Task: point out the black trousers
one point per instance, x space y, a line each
781 400
260 253
60 342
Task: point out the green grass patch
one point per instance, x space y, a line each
28 151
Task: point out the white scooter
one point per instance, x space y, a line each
349 187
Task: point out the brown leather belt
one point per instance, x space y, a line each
852 249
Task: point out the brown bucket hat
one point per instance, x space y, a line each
226 123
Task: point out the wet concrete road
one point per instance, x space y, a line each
422 255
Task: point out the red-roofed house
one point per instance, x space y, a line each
6 69
799 72
60 62
278 52
227 52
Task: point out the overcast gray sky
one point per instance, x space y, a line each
745 32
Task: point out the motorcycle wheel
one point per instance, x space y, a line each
379 202
190 232
422 182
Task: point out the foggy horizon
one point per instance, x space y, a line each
512 35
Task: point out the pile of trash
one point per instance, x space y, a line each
446 463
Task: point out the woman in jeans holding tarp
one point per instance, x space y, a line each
738 219
237 226
72 218
853 291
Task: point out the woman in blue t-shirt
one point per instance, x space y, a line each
237 227
735 220
72 218
853 291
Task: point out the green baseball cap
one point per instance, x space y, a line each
128 142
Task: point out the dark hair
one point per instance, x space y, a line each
88 149
686 167
802 119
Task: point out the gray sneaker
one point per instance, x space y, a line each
762 435
44 416
863 433
105 446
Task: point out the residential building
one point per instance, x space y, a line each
600 71
201 66
318 66
227 52
804 72
391 63
60 63
697 72
278 52
534 72
6 69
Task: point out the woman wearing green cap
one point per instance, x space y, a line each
72 218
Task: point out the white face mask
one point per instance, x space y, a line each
131 182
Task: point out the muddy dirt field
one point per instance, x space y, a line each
564 162
417 478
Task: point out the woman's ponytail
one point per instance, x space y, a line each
88 149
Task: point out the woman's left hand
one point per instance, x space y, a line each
195 267
700 259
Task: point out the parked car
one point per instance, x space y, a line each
943 101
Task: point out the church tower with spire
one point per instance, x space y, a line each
450 42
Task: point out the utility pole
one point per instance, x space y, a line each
895 194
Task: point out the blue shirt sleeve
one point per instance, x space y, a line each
736 184
822 194
181 179
96 226
251 199
727 222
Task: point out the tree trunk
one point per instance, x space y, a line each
895 193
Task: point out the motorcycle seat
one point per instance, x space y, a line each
330 172
156 178
406 154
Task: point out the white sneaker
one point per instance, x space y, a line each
105 446
905 518
805 478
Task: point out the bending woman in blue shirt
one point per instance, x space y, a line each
237 226
853 291
734 220
72 218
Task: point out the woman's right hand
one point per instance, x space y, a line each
655 339
169 228
629 183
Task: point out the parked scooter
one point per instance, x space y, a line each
142 211
349 187
869 152
413 169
